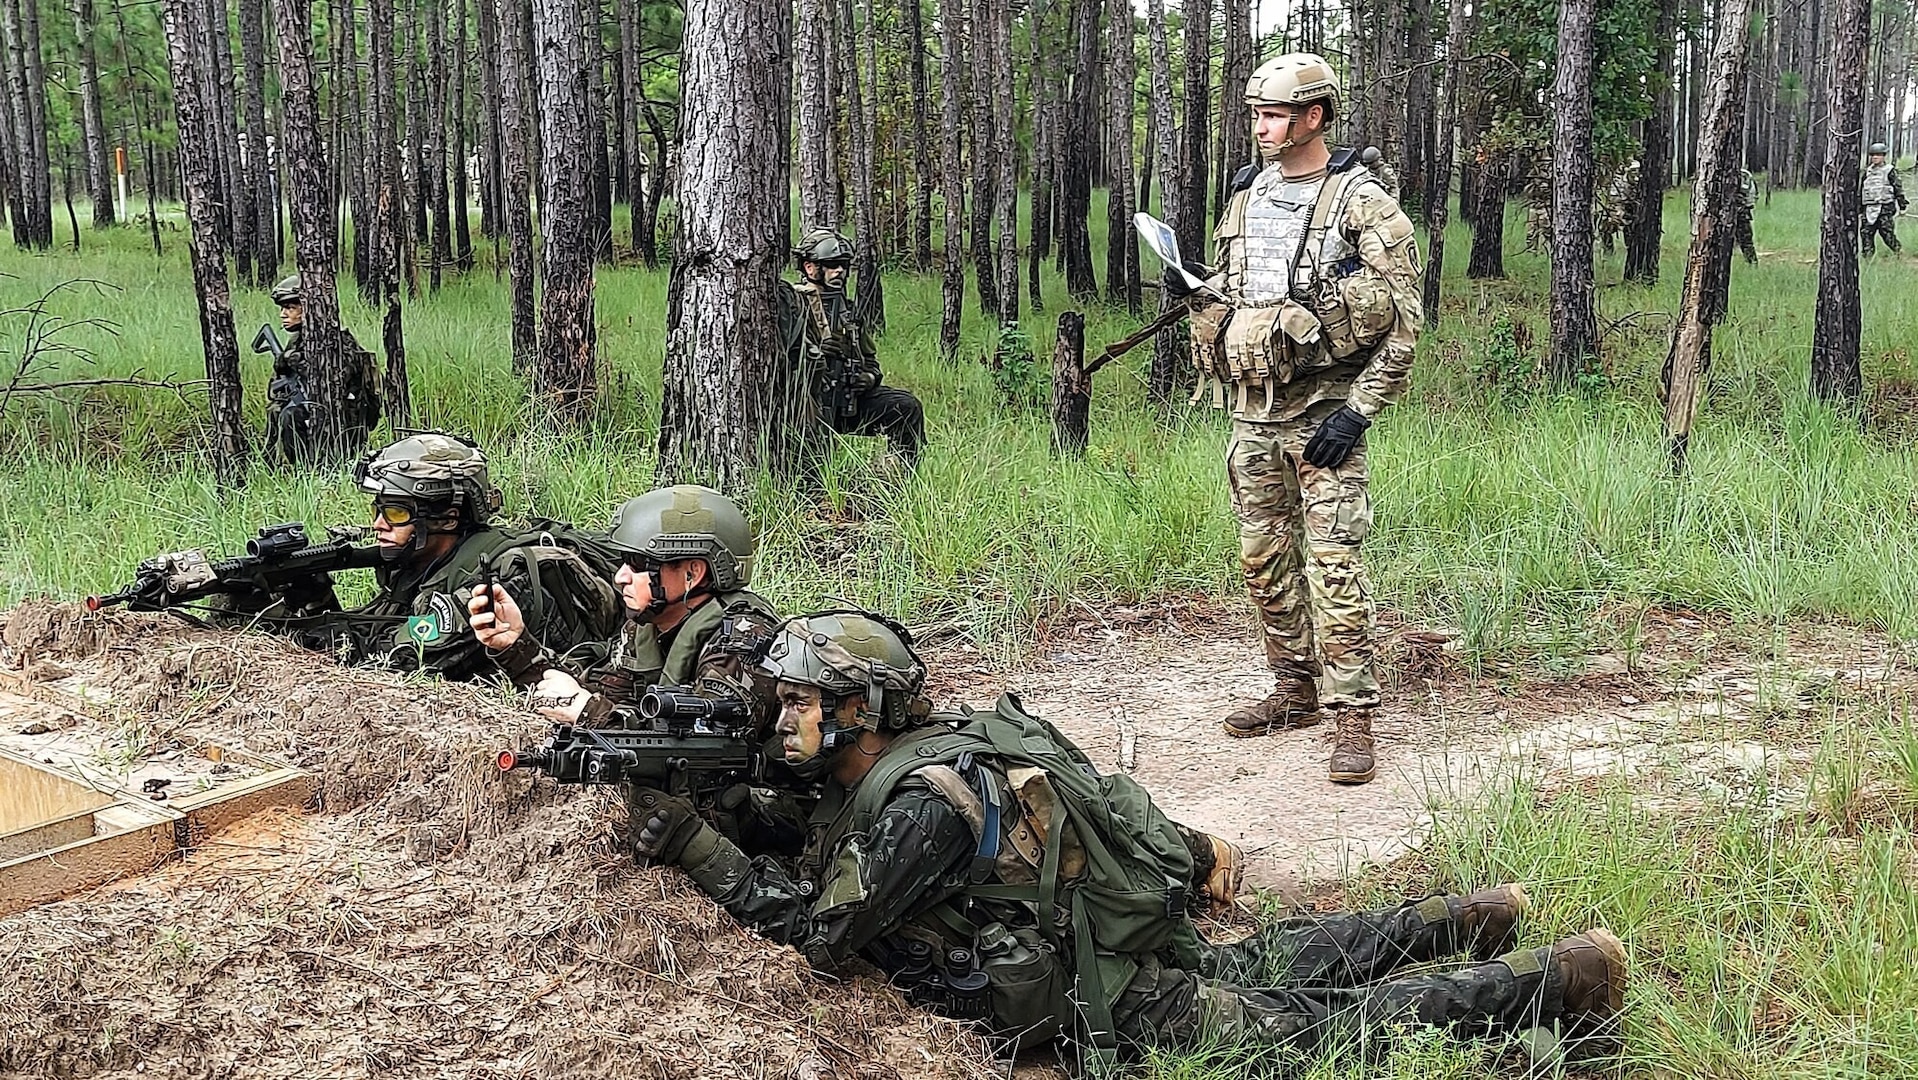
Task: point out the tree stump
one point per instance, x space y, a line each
1071 387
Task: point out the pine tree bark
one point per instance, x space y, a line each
462 220
732 404
516 207
417 139
93 132
952 179
217 338
984 157
1644 232
567 341
1071 388
1168 346
633 165
19 19
599 204
914 32
1489 186
1122 241
1077 188
818 185
870 292
1005 161
1415 110
661 175
1234 150
435 139
1439 205
1574 306
491 158
1837 336
1194 176
259 163
1046 90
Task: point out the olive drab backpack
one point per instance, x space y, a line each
1112 877
565 560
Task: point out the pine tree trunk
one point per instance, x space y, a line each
731 406
1046 89
634 89
1077 187
93 132
1006 162
984 157
1235 146
1168 346
870 294
915 46
217 338
1416 114
28 92
599 206
434 134
10 182
1194 176
462 221
1645 229
1122 241
1071 388
662 171
1574 307
1488 218
818 188
259 164
516 192
1689 360
491 159
567 344
1439 206
1837 337
239 208
952 180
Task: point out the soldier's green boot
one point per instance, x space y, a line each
1293 703
1352 747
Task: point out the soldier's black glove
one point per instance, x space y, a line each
670 830
1175 283
1336 438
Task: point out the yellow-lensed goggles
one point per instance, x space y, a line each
394 514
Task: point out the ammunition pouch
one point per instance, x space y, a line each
1026 984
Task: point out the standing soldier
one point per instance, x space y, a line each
1319 276
1742 215
1884 200
825 328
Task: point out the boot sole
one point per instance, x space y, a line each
1353 777
1253 733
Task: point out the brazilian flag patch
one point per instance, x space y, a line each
423 629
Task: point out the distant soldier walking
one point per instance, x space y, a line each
1884 200
1320 278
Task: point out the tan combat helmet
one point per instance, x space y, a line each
433 470
1294 79
688 522
853 652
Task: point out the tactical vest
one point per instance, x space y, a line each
644 658
1076 878
1297 326
1877 184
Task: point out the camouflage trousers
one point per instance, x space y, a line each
1871 230
1300 528
1314 981
1742 232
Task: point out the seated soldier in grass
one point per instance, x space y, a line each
981 861
432 510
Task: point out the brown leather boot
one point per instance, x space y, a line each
1228 871
1490 918
1591 969
1352 747
1293 703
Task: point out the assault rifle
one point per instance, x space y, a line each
266 341
280 560
838 353
683 744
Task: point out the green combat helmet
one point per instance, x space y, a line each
853 652
688 522
822 246
287 291
1293 79
431 469
1878 148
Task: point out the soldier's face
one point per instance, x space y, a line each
292 315
801 724
831 275
391 536
1877 159
676 579
1280 127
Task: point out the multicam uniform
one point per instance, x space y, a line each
1321 280
1742 215
1884 198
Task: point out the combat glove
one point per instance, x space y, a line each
1175 283
1336 438
671 831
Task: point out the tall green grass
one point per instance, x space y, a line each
1518 516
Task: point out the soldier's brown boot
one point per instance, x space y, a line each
1490 919
1352 747
1591 971
1293 703
1228 872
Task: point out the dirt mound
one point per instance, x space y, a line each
437 919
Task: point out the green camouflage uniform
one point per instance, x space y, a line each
817 316
909 887
418 618
1322 310
1742 214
